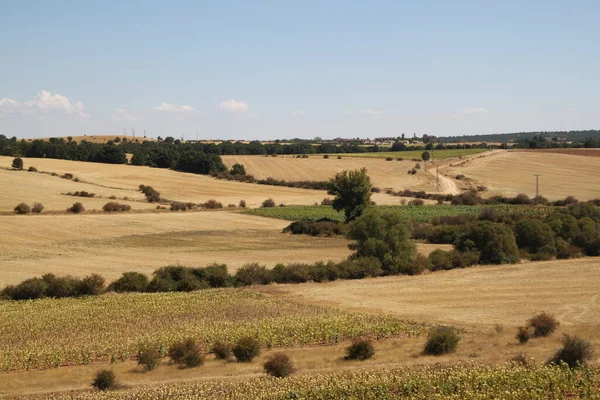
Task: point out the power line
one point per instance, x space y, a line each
537 186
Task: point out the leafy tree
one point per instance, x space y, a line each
495 242
425 156
533 234
17 163
385 236
352 191
238 169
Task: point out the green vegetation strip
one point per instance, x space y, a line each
410 154
53 332
463 381
416 213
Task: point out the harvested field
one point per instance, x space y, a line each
510 173
384 174
573 152
480 296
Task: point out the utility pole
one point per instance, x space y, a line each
437 178
537 186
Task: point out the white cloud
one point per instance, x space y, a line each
473 110
372 112
123 114
347 113
43 103
174 108
234 105
298 111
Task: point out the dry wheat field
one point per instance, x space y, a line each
486 303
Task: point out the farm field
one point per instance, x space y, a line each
478 296
384 174
510 173
54 332
408 154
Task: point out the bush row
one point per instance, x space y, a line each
23 208
51 286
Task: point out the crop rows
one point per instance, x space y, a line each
463 381
410 154
416 213
53 332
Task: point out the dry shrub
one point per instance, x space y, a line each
268 203
105 380
360 350
76 208
32 169
543 324
116 207
575 351
67 175
22 208
187 353
149 357
37 208
242 204
222 351
279 365
178 206
246 349
523 334
441 340
213 204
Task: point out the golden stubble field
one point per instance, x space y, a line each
512 172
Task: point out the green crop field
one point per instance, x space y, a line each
410 154
53 332
416 213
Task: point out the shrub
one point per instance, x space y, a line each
375 189
91 285
543 324
416 202
187 353
440 260
326 156
268 203
34 288
279 365
523 334
575 351
152 196
17 163
389 159
32 169
495 242
238 169
441 340
523 360
178 206
360 350
82 193
339 157
130 282
116 207
242 204
67 175
76 208
22 208
149 357
213 204
327 201
105 380
246 349
460 177
37 208
253 274
222 351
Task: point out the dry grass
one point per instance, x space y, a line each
384 174
481 296
511 173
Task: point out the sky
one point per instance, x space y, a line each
285 69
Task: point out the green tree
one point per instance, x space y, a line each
17 163
533 234
238 169
352 191
385 236
495 242
425 156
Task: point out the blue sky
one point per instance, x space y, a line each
281 69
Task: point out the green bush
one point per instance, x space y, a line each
222 351
575 351
130 282
91 285
149 357
246 349
238 169
105 380
116 207
253 274
17 163
279 365
360 350
33 288
495 243
22 208
441 340
440 260
187 353
543 324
